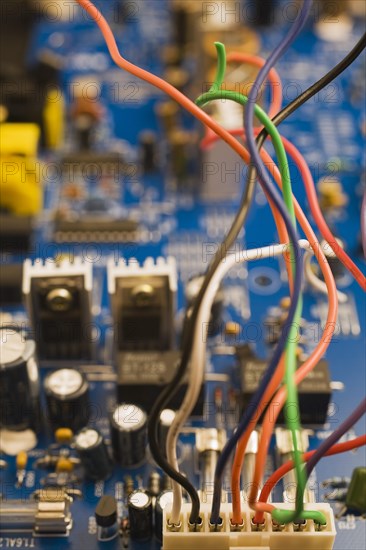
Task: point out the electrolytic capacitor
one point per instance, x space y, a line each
67 393
140 513
19 381
128 431
165 498
107 519
93 453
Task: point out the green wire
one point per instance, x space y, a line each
215 93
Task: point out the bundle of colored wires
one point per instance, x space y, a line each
232 234
329 286
327 447
288 466
288 335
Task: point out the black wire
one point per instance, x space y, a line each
239 221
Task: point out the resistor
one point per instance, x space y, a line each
337 495
21 465
166 483
336 482
129 485
167 112
154 485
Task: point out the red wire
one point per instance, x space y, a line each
285 468
315 210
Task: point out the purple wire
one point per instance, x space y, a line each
336 436
363 224
276 198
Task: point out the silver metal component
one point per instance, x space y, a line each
209 444
285 449
337 385
143 294
65 382
176 527
249 461
49 515
129 417
59 299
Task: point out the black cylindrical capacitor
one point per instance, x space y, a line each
165 498
148 145
93 453
106 518
128 432
67 393
19 381
140 511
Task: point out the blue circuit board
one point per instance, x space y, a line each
186 224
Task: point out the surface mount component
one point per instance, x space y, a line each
313 537
314 391
67 394
143 304
19 381
93 453
141 377
58 301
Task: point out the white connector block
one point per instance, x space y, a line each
310 537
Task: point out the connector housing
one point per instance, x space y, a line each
308 536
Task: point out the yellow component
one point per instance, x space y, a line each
64 435
53 116
19 139
64 465
232 329
21 460
331 193
21 171
285 302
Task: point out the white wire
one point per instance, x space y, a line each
198 358
317 283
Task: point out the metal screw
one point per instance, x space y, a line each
143 295
59 299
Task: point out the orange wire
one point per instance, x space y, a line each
285 468
280 397
180 98
273 78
